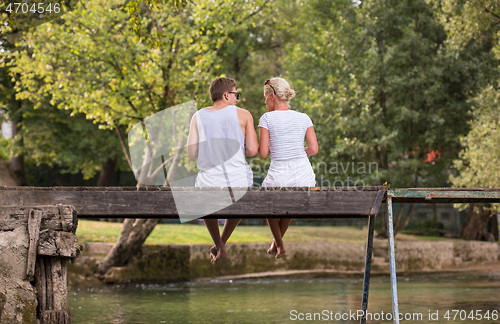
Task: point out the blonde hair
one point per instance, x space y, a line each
280 87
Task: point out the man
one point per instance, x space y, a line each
220 136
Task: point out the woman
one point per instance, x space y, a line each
282 133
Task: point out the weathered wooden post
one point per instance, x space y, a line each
46 241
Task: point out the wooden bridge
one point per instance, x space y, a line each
18 203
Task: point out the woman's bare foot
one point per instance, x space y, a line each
280 252
272 250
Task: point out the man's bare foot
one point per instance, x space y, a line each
217 255
280 252
213 253
272 250
221 255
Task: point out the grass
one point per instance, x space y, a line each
93 231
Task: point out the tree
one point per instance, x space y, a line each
469 23
47 135
478 165
55 137
388 99
92 63
9 104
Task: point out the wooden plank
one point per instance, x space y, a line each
14 216
41 286
34 220
445 195
56 293
59 287
49 285
59 244
156 203
378 201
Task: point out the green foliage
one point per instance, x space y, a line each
91 62
475 22
386 83
4 152
479 163
426 227
467 21
53 137
382 87
147 32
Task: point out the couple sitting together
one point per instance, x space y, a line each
224 128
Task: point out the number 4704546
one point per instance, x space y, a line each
34 8
472 315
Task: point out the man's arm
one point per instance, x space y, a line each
192 142
251 144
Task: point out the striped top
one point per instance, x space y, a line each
287 130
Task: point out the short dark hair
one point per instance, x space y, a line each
220 86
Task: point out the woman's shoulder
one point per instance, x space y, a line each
266 115
303 115
298 115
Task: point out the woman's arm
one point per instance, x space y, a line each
192 142
312 142
264 142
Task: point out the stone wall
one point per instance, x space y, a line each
167 263
35 244
17 296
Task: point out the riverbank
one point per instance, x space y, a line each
189 262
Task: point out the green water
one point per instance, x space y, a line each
284 300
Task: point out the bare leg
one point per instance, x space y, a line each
213 228
274 225
228 229
284 223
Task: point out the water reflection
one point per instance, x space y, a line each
273 300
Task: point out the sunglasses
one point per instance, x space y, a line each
238 95
268 82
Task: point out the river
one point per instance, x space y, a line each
431 298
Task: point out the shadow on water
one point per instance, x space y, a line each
292 300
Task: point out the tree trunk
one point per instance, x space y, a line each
494 227
129 243
136 231
16 164
404 222
104 180
106 174
399 221
383 231
475 223
6 177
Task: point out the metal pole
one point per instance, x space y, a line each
392 261
368 266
